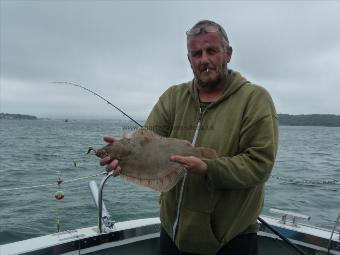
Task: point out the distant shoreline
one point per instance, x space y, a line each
9 116
324 120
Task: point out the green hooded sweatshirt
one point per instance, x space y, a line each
242 127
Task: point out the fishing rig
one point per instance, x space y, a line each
296 248
101 97
59 195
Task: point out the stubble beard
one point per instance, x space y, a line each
213 84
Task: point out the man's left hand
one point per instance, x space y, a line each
191 163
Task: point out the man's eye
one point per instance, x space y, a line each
212 51
196 53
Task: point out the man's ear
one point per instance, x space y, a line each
188 56
228 53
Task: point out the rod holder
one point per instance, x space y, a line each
285 214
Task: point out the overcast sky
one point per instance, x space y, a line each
131 51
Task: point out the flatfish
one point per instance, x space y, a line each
144 158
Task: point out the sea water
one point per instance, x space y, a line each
305 179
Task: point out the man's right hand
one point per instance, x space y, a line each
111 164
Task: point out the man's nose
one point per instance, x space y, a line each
204 58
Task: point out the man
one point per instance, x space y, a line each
214 209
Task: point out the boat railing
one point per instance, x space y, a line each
104 217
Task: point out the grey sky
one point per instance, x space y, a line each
131 51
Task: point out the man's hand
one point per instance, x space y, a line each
111 164
191 163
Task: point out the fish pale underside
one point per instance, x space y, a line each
144 158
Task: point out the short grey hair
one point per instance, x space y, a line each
204 23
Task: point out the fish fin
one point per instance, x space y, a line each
170 180
162 184
144 132
139 132
207 152
126 135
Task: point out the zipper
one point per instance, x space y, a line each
174 227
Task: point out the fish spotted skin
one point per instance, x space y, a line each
145 158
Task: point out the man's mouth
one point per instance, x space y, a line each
206 70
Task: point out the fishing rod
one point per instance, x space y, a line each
125 114
331 237
101 97
286 240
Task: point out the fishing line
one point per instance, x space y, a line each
125 114
103 173
75 164
306 181
101 97
51 184
59 195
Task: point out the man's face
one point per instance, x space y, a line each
208 59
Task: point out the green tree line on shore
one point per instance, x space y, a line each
329 120
10 116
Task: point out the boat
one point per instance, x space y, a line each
277 235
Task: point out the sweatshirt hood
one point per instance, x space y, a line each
233 83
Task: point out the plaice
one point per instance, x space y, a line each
144 158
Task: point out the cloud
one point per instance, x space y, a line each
130 52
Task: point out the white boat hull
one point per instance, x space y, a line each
142 237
